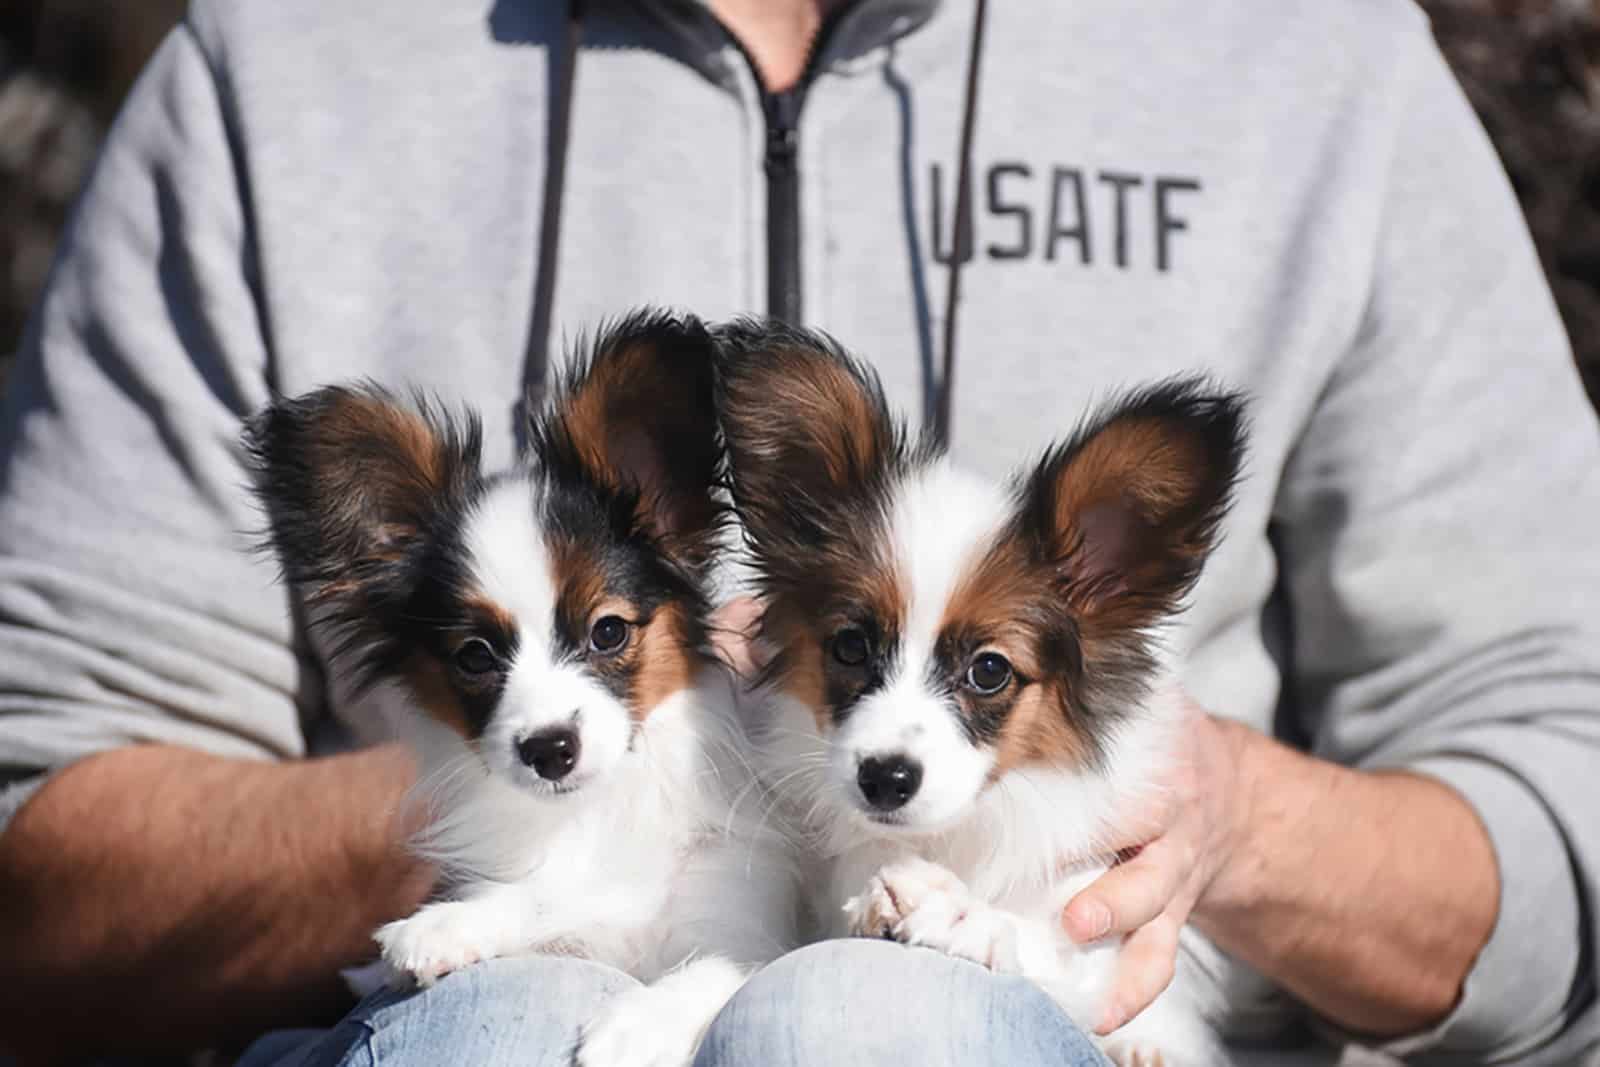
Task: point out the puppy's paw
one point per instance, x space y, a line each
984 935
964 928
1165 1034
643 1027
437 940
920 903
1142 1054
1128 1054
895 892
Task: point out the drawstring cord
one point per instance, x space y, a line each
961 247
536 364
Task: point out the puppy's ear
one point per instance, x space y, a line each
353 482
638 418
808 434
1127 510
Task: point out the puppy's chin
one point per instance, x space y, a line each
902 824
553 792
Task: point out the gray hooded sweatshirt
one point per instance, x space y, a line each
1291 195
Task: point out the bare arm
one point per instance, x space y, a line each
1436 560
163 899
1367 895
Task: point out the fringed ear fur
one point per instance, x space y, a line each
636 417
1128 508
808 433
353 481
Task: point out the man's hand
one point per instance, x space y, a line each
1187 837
1368 895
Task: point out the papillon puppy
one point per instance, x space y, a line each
968 676
546 632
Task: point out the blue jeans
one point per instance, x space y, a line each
838 1004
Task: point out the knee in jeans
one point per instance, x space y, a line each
526 1011
863 1002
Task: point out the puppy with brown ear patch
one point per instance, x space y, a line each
969 675
546 631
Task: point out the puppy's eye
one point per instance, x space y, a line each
850 647
476 657
989 673
608 634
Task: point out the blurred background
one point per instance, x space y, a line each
1531 67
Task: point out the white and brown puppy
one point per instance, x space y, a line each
968 673
546 629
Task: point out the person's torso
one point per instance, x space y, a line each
1170 188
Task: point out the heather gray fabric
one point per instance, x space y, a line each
1291 194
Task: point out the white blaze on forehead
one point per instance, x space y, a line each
942 521
509 561
512 566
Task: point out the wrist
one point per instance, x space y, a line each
1271 793
382 870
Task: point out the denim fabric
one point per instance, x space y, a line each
837 1004
877 1004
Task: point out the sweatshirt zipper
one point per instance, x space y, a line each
782 167
783 202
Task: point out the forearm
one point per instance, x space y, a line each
162 898
1367 895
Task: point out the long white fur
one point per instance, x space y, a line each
660 863
990 865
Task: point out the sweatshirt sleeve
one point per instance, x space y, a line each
132 608
1438 523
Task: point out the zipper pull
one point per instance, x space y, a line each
783 130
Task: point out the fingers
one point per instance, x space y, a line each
1127 896
1144 970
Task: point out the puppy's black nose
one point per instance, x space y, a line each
888 783
551 753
